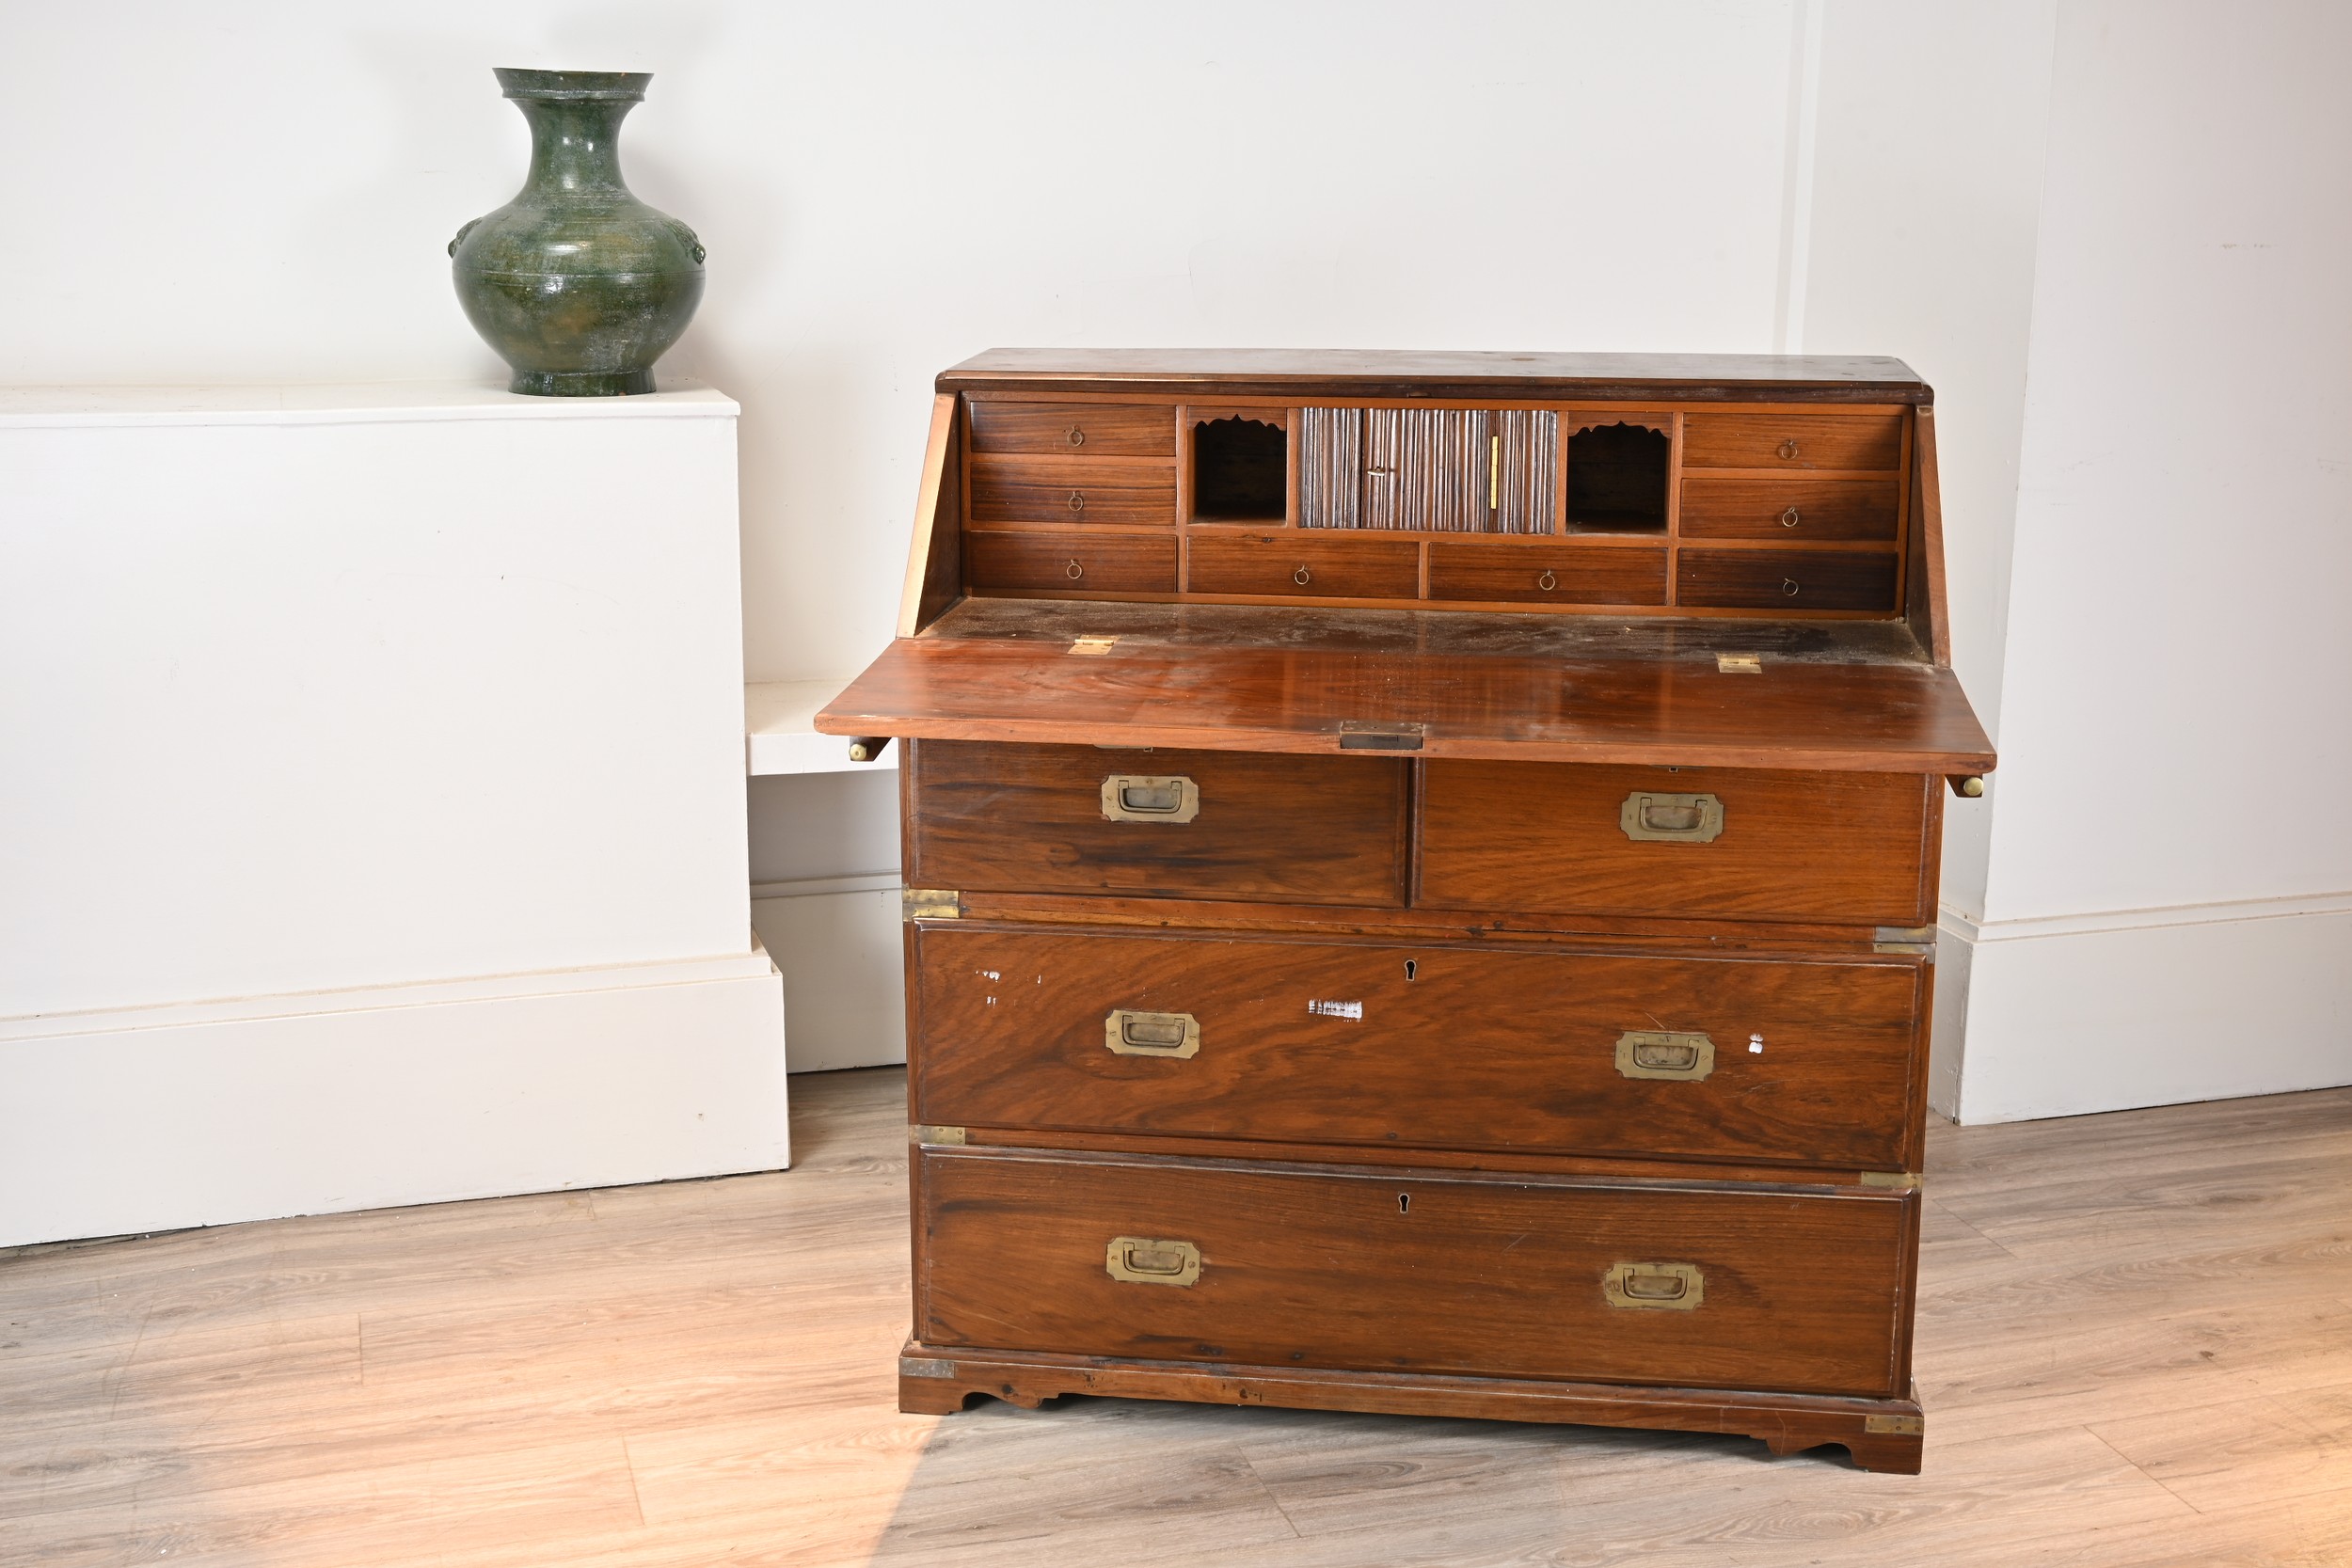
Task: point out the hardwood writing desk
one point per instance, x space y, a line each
1421 885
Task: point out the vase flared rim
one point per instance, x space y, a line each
607 86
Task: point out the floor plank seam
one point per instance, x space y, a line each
2137 1469
635 1497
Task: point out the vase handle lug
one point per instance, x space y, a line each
461 237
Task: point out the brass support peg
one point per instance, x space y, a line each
1967 785
866 748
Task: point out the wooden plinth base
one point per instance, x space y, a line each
1880 1434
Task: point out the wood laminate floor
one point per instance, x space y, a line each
2134 1345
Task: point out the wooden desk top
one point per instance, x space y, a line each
1844 696
1421 374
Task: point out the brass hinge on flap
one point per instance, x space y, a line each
1899 1180
920 1133
1905 939
929 903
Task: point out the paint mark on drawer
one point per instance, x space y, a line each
1336 1009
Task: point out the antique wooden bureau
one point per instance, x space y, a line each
1421 885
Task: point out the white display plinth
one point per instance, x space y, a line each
371 828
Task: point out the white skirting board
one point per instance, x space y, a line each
839 945
154 1118
2074 1015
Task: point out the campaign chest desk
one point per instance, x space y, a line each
1421 885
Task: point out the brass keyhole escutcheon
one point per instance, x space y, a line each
1548 582
1077 502
1788 586
1074 571
1077 438
1791 517
1789 449
1301 577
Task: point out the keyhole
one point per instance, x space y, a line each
1410 966
1404 1203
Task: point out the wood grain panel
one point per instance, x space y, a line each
1787 579
1538 573
1115 490
1070 560
1279 691
1795 440
1828 845
1074 429
1395 1271
1274 564
1801 509
1009 1032
1029 819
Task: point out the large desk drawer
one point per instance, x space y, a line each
1546 1278
1431 1047
1155 823
1737 842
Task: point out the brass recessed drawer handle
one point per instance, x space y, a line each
1648 816
1150 798
1133 1034
1141 1260
1663 1053
1660 1287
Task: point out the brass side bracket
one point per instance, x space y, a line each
1901 1426
1905 939
929 903
948 1137
1897 1180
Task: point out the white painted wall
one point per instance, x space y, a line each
2167 900
887 189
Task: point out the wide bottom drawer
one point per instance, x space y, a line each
1483 1275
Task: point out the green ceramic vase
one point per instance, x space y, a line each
578 285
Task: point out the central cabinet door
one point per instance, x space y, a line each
1447 471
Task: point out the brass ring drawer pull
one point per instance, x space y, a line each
1548 582
1663 1053
1150 798
1077 502
1077 438
1074 571
1133 1034
1141 1260
1302 576
1788 586
1791 517
1660 1287
1789 449
1650 817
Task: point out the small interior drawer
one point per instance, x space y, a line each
1152 822
1070 560
1538 573
1792 441
1803 508
1073 429
1790 580
1412 1271
1073 490
1294 563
